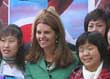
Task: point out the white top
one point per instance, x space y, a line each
5 69
92 75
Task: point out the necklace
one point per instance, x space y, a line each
50 65
9 60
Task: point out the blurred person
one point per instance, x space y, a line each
96 20
107 10
49 56
12 55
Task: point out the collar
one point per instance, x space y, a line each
92 75
43 65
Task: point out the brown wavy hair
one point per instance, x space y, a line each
63 55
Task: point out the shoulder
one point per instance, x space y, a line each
76 73
105 69
31 67
35 64
75 57
105 73
30 63
77 69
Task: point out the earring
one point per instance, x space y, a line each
56 41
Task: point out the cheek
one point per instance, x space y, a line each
15 46
103 29
108 36
80 56
15 51
97 55
54 39
90 30
36 37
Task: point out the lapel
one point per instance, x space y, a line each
39 67
42 64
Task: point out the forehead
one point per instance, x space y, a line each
9 37
86 44
42 26
6 33
97 21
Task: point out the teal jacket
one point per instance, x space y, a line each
39 71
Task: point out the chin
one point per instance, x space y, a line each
89 65
43 47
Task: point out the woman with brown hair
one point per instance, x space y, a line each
49 56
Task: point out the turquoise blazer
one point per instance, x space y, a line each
39 70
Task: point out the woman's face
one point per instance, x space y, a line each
45 36
9 46
98 25
89 56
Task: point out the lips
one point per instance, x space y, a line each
42 41
87 59
5 51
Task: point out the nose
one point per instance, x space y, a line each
86 52
94 28
42 35
6 44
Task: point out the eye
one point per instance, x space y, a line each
38 32
2 40
12 40
90 48
99 25
91 26
81 49
47 32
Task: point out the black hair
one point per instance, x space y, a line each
96 39
14 30
94 15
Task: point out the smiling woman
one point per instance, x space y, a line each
45 36
49 55
93 54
